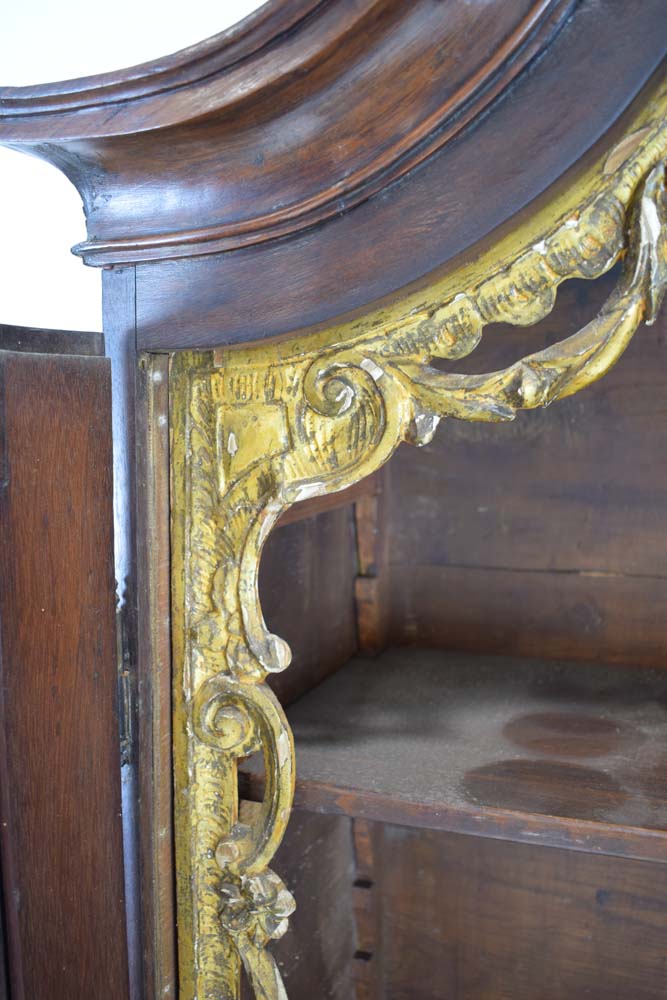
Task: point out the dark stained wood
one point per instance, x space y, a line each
302 75
367 958
306 584
609 618
302 161
466 918
316 159
409 237
572 487
331 596
62 858
266 197
543 537
371 587
568 753
237 44
155 769
40 341
4 971
316 861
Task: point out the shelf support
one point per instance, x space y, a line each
256 429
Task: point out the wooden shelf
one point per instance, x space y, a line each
562 754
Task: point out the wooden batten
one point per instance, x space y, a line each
371 587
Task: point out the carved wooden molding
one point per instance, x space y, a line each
213 98
256 429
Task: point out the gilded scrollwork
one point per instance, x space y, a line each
255 430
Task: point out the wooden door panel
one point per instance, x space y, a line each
62 867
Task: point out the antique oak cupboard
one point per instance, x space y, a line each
306 224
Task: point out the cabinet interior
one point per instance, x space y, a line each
478 695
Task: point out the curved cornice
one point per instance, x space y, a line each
255 138
197 153
581 233
237 49
282 39
360 177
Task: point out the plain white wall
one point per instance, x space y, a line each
41 282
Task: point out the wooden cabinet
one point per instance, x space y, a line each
306 225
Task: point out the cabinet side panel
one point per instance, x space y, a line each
62 859
544 535
307 578
466 918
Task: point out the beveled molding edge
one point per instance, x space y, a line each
405 152
113 133
240 43
256 429
251 56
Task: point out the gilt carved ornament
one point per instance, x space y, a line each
257 429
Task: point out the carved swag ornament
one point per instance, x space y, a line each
256 429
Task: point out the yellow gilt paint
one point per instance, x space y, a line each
258 428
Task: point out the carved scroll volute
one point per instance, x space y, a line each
230 904
258 429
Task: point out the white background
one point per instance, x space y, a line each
41 283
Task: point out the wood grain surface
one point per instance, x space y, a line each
268 110
441 916
62 860
154 738
40 341
317 862
466 918
544 536
300 203
565 753
306 583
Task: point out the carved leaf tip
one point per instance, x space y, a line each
653 237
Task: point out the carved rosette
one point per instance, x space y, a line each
255 430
